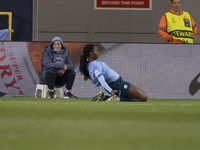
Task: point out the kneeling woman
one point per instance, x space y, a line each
100 74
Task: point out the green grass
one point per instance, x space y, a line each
57 124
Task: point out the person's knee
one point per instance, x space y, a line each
71 73
144 97
52 71
50 75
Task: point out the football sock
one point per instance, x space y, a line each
123 99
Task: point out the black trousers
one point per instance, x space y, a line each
51 79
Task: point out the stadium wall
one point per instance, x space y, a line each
78 21
161 70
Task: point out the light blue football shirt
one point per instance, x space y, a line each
101 74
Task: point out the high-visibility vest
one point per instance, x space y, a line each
180 27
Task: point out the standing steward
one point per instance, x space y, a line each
177 26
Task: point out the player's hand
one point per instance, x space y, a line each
65 67
60 72
169 38
113 93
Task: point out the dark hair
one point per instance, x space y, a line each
171 1
83 60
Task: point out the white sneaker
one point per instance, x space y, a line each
112 99
69 95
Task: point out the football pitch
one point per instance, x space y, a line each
80 124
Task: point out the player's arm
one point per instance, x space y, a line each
162 30
68 62
103 83
194 26
106 86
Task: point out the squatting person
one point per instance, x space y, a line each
57 68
